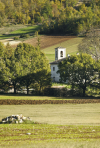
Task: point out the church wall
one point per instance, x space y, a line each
55 77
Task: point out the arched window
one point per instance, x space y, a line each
61 54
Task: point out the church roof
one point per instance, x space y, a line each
60 47
58 61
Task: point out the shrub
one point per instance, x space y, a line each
16 38
24 36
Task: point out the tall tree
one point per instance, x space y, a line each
91 43
35 67
4 70
13 67
79 71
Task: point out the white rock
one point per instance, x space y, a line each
17 122
28 133
20 121
24 118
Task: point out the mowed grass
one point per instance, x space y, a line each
28 30
62 114
71 46
58 126
18 97
48 136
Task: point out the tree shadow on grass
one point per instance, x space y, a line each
25 31
55 97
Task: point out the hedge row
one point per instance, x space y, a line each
23 102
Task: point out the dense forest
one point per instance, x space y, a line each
55 16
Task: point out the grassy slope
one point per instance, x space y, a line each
16 30
70 45
29 29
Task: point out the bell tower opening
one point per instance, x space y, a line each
61 54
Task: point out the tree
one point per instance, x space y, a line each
71 2
78 70
34 66
4 70
24 66
43 74
91 44
13 67
47 10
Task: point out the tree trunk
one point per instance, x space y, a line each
84 89
27 90
14 84
72 92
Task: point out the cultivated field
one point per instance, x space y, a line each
56 125
47 43
71 45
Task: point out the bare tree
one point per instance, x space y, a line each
91 43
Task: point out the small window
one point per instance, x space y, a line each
56 54
53 68
53 79
61 54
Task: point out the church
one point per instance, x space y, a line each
60 55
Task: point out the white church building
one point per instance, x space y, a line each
60 55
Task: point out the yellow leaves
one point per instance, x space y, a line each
83 8
52 2
55 10
2 6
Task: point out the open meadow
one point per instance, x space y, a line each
17 30
55 125
62 114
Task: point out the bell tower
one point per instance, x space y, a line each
60 53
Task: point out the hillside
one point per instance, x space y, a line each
55 17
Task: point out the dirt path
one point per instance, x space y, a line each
11 42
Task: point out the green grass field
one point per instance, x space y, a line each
70 45
28 30
18 97
58 126
17 30
59 114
